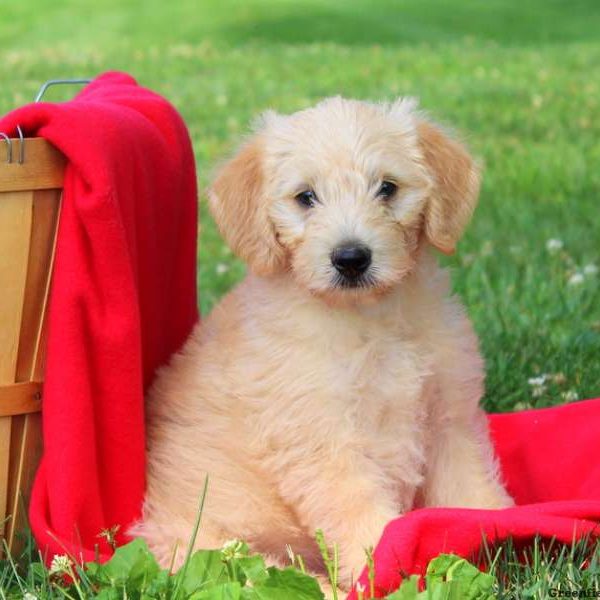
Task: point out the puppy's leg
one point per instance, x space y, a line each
327 588
168 540
336 488
462 471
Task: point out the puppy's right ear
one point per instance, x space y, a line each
240 207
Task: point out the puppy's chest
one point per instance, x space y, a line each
385 381
377 372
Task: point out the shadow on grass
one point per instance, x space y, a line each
395 22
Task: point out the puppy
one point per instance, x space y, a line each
337 386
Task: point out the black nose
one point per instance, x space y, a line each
351 259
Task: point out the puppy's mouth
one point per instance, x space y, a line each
348 290
364 281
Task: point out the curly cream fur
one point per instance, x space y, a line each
314 406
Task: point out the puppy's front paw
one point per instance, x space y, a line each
487 498
500 499
367 531
352 562
328 590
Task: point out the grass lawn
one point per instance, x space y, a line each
520 79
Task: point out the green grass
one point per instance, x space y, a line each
520 79
540 571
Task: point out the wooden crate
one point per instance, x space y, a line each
30 194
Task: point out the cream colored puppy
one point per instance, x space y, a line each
337 386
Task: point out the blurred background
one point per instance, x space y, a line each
520 80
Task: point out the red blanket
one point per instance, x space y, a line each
550 464
123 299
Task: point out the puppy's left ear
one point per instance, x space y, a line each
455 189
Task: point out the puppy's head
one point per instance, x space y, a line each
341 195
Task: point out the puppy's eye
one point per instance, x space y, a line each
307 199
386 190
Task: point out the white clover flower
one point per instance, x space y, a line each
590 269
538 384
222 268
554 245
576 279
522 406
570 396
29 596
60 564
232 549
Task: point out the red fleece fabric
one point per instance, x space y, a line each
549 461
123 299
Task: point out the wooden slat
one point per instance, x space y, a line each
46 205
25 457
5 429
26 435
20 398
29 206
17 435
43 167
15 231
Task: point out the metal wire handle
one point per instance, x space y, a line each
52 82
9 146
38 98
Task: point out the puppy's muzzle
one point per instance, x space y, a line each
351 259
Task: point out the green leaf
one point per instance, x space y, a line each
248 593
204 571
452 577
408 590
253 568
110 593
37 571
443 591
448 577
159 586
287 584
143 570
224 591
132 563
